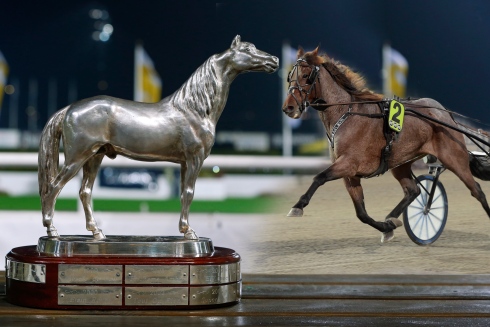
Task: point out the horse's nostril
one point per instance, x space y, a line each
288 109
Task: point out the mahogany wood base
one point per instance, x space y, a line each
122 282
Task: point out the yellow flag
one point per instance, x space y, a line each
4 70
147 82
395 73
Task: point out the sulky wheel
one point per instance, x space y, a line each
425 224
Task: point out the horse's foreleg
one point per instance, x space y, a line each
188 176
353 186
337 170
48 200
90 169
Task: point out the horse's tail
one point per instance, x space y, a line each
480 167
479 163
49 148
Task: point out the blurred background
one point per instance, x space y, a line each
53 53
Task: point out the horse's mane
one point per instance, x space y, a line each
347 79
199 91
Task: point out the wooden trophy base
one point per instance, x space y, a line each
122 272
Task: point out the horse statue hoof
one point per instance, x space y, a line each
190 235
295 212
99 235
53 233
386 237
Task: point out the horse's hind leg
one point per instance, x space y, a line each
403 174
48 201
458 164
353 186
90 169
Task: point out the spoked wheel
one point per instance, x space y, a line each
424 226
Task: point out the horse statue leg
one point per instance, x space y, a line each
47 208
188 175
403 174
90 169
48 200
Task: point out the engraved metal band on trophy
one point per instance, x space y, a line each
215 284
138 296
90 274
148 296
213 274
94 295
26 272
217 294
151 274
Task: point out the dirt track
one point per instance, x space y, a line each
329 239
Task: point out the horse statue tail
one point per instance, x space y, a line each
49 148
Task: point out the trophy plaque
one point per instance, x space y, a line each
122 272
131 272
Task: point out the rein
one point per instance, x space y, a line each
411 110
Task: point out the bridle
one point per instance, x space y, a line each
293 76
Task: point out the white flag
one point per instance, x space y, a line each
395 72
147 82
4 70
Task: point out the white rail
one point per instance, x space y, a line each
29 160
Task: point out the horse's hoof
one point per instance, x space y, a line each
190 235
397 222
386 237
99 235
53 233
295 212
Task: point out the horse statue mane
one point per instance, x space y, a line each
353 82
199 91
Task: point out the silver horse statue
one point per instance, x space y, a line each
180 128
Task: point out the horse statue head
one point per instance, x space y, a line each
245 57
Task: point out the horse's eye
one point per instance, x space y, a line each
305 75
248 49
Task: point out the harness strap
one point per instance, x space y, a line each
337 126
346 115
385 151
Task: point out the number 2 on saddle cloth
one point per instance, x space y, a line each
396 114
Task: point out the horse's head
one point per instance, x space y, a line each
245 57
302 83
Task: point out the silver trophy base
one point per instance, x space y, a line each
117 245
123 272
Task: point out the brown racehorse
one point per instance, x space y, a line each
355 126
